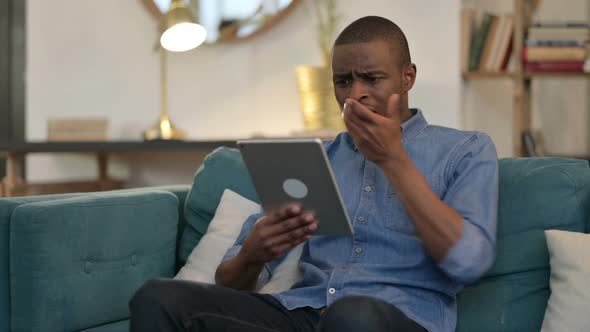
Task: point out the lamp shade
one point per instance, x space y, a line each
181 33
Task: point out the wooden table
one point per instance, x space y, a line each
15 184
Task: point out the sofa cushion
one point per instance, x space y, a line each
222 169
76 262
535 194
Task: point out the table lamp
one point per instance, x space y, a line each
180 33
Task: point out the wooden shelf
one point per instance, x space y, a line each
474 75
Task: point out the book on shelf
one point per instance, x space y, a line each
487 46
549 53
467 28
478 41
77 137
77 129
504 48
559 66
555 43
542 33
561 24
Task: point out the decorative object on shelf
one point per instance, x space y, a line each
179 33
316 93
77 130
231 21
533 143
316 89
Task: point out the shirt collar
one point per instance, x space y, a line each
410 128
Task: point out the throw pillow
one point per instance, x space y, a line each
222 169
221 234
567 309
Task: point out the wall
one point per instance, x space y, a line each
95 58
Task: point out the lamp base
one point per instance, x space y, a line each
164 130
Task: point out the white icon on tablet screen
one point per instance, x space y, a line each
295 188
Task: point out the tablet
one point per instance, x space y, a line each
297 170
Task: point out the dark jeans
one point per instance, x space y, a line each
173 305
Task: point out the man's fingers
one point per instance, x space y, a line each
295 236
356 109
357 131
351 117
280 249
285 212
288 225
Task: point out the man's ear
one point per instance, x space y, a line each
409 77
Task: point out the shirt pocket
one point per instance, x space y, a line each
396 216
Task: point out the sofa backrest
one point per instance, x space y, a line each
535 194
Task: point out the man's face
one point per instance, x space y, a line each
368 72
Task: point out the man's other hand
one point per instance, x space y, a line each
275 234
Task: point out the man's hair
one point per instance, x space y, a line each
375 28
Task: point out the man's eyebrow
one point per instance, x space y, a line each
371 72
342 74
368 72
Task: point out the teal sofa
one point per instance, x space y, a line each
72 262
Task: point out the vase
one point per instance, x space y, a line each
318 103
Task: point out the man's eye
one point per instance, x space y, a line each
342 82
373 80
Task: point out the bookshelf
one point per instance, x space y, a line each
522 11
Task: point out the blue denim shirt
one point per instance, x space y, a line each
385 258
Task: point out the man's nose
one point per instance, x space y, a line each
358 90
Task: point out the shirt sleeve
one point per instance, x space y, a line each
234 250
473 193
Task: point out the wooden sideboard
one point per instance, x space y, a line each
15 183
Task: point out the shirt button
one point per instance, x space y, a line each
361 219
331 291
368 188
358 250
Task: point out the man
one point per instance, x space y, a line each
423 201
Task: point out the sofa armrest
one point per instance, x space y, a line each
76 262
7 206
